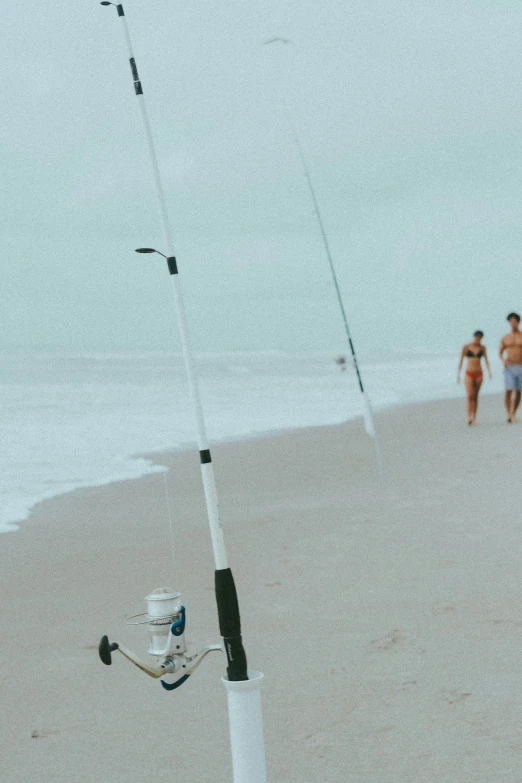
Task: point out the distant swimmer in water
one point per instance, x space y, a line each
511 345
474 352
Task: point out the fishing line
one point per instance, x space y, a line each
166 473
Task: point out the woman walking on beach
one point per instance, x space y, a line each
474 352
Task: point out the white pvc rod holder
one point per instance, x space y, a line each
246 728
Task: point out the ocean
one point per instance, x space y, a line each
78 420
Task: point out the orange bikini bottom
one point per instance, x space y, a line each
476 376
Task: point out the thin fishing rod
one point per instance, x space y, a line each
369 419
226 595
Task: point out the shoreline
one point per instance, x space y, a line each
151 456
387 622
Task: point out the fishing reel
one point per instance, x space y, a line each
166 619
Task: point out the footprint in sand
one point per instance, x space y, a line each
322 742
396 639
406 684
393 639
444 609
38 733
455 696
510 626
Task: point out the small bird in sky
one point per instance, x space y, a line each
277 39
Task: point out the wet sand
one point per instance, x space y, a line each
387 620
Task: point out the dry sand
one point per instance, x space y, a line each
388 623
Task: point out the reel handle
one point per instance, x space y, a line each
105 648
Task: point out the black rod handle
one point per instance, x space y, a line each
230 624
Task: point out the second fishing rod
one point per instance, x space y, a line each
369 420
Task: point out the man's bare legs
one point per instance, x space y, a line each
512 401
507 403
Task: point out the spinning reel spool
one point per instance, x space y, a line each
166 619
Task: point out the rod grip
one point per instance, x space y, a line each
230 624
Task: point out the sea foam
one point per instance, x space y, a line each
72 421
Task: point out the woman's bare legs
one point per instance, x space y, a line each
478 384
472 391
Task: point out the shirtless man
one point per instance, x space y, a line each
512 344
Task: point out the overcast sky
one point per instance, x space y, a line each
410 113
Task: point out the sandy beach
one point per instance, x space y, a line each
387 620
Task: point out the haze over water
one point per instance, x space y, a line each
410 115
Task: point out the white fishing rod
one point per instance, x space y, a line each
165 615
369 419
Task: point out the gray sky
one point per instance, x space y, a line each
410 112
